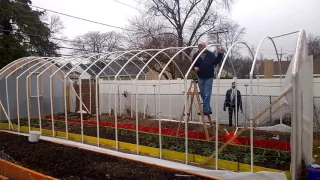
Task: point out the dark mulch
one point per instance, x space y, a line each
72 163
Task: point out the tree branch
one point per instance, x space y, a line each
200 21
194 4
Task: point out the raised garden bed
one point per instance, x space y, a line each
262 157
260 134
72 163
192 134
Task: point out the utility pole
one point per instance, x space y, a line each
281 54
280 73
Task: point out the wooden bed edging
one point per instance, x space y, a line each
11 170
174 155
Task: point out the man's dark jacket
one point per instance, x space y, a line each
206 65
227 101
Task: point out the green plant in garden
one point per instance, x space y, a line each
236 153
207 152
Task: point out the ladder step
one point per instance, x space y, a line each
191 93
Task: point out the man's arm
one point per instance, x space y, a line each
217 60
226 100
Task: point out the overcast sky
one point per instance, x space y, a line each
260 17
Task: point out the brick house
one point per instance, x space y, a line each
270 68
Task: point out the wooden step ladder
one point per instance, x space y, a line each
194 93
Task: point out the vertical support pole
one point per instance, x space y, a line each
145 102
236 102
65 105
109 98
217 123
137 117
170 100
51 106
90 96
116 113
28 103
18 103
245 113
251 124
131 106
8 102
155 101
38 101
97 93
159 119
186 119
120 100
270 110
81 112
145 99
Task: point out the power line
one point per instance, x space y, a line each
75 17
128 5
35 35
59 47
17 49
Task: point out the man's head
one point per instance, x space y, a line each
201 45
233 85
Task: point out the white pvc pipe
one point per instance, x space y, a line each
137 117
97 112
159 120
218 87
186 111
27 93
51 93
38 95
7 90
17 89
17 95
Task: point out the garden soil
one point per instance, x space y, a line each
72 163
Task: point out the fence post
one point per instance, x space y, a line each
270 110
245 111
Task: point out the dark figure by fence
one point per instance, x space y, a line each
230 103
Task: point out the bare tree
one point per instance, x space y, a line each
55 24
190 19
145 33
97 42
314 46
233 33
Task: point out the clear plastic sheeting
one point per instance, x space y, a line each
299 76
223 174
278 127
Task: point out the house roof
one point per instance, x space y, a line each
285 65
130 69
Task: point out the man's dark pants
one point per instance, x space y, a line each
232 111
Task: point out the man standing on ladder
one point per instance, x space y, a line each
230 103
204 67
